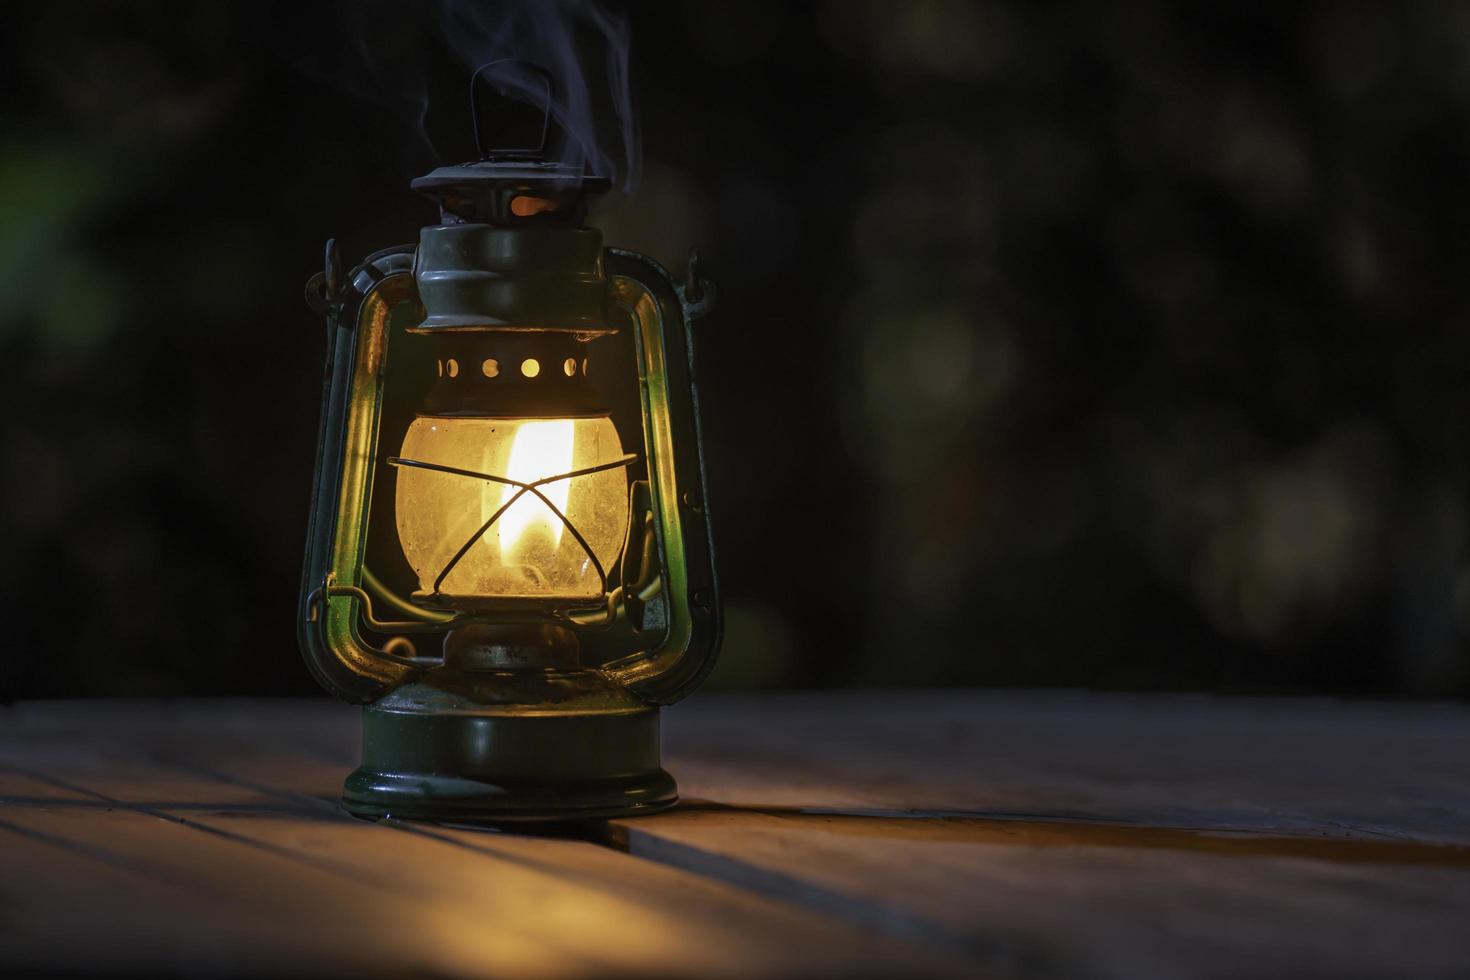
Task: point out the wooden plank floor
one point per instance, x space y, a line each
915 834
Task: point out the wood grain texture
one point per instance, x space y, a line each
1398 771
1077 835
206 839
912 834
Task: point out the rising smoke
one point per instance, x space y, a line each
390 53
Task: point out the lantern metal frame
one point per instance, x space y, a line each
407 707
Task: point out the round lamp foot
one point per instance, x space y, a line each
495 767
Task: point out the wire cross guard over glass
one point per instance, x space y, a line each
522 488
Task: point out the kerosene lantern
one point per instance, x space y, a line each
509 560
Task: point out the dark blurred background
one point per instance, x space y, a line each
1117 345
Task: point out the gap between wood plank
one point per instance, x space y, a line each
789 889
320 864
1359 845
601 833
643 838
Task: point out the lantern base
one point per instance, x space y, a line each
496 765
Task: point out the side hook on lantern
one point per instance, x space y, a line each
696 293
323 290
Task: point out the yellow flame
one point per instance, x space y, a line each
540 449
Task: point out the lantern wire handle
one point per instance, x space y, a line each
546 107
381 592
314 599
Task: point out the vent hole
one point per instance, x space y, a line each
525 207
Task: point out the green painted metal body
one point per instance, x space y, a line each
430 755
446 743
471 276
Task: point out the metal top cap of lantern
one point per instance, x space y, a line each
512 186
